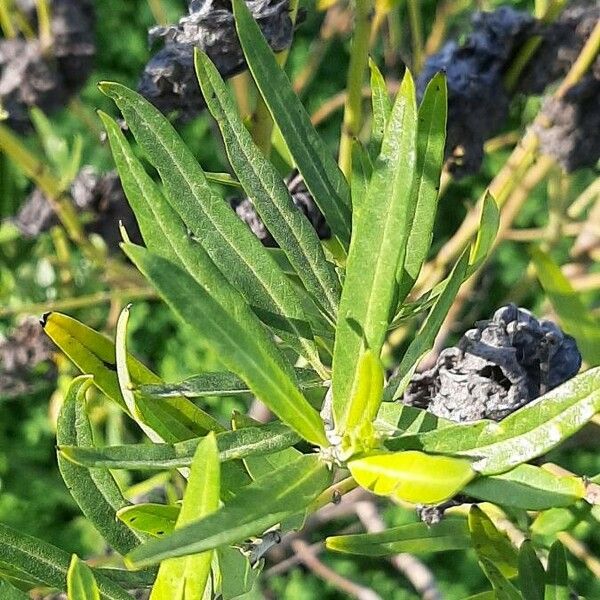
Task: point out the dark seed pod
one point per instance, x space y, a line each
169 81
20 355
302 199
477 99
34 76
573 120
497 367
101 197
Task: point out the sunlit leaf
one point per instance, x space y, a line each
186 578
81 584
381 107
412 476
319 170
269 195
416 538
528 487
256 508
94 490
380 231
238 350
490 544
154 519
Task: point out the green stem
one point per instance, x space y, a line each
359 55
6 24
158 12
416 33
44 25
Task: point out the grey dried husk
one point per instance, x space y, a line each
101 197
33 76
496 368
478 100
21 355
303 201
169 80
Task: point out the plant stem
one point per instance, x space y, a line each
359 55
158 12
6 24
416 33
44 25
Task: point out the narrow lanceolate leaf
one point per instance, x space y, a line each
319 170
531 573
381 106
219 384
503 588
165 224
230 244
416 538
431 139
94 490
81 584
575 318
156 520
557 577
46 564
10 592
425 338
525 434
239 351
490 544
489 223
412 476
269 195
186 578
362 169
381 228
528 487
254 509
94 354
233 445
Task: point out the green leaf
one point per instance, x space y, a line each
154 519
47 564
380 231
219 384
486 233
525 434
557 577
289 226
529 488
233 445
552 521
381 106
412 476
9 592
574 317
94 490
94 353
431 139
319 170
503 588
531 573
187 577
362 169
237 575
425 338
416 538
235 251
238 350
490 544
257 507
81 584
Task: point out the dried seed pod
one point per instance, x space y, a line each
497 367
169 80
20 354
302 199
477 99
47 77
572 120
100 196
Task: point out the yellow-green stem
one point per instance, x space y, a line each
44 25
359 55
6 24
416 33
158 12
